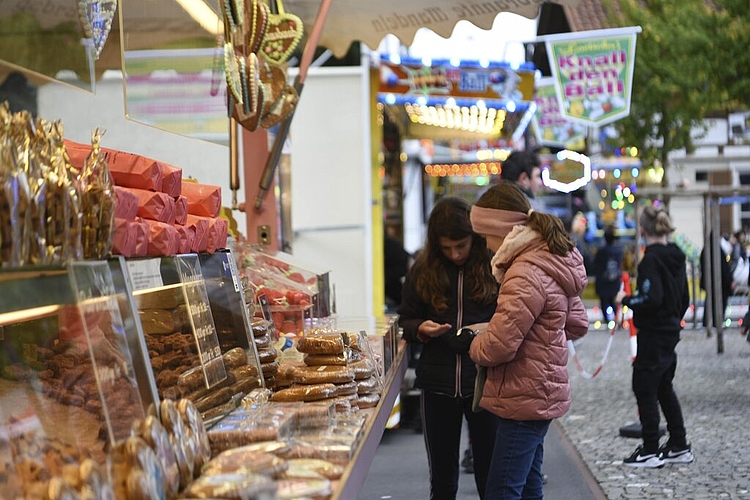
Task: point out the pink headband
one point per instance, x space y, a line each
494 222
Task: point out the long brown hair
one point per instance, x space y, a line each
508 196
450 219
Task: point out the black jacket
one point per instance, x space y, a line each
603 286
440 369
662 296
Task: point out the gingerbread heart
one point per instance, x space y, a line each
281 108
232 72
273 79
249 121
283 34
258 24
96 17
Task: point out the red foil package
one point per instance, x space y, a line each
163 238
154 206
180 210
125 237
142 232
203 199
187 237
201 226
127 204
172 180
217 234
126 169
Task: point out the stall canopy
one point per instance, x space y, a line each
46 37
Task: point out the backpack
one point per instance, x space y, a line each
611 272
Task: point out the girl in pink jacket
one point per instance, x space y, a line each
524 346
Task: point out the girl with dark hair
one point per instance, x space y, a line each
448 287
658 305
524 347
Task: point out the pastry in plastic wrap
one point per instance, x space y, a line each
321 374
368 385
136 470
368 400
312 468
331 343
183 447
364 368
244 461
325 359
94 482
312 392
274 447
157 437
346 389
308 488
232 487
194 422
203 199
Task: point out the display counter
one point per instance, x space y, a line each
81 361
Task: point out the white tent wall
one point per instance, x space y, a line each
331 183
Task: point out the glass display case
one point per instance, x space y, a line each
68 384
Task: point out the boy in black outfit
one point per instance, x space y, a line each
658 307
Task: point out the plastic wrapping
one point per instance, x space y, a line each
330 343
314 489
153 205
312 468
125 237
321 374
171 180
200 225
233 487
98 203
300 392
245 461
180 210
163 238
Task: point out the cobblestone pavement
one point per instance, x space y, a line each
714 390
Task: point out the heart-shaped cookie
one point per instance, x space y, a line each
257 23
232 72
281 108
283 34
273 79
96 17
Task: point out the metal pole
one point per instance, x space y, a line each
707 265
234 162
719 305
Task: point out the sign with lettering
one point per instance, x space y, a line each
201 319
593 73
550 126
470 80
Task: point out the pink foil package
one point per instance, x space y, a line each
201 226
154 206
180 210
125 237
127 204
172 180
163 238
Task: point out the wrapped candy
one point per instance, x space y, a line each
172 180
203 199
180 210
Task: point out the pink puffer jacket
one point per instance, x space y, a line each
525 344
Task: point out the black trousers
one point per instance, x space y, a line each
442 420
653 373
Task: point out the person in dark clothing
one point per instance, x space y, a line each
726 282
658 305
608 272
395 263
524 168
448 290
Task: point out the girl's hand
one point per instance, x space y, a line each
620 295
431 329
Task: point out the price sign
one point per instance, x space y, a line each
201 319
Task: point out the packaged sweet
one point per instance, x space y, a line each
125 238
127 169
127 203
180 210
203 199
163 238
232 487
321 374
98 202
153 205
312 468
326 359
187 237
197 430
243 460
314 489
142 231
321 344
157 437
200 225
217 234
311 392
172 180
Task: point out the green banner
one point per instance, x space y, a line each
593 73
550 126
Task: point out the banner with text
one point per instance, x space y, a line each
551 128
593 73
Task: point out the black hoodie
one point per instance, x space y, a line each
662 297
